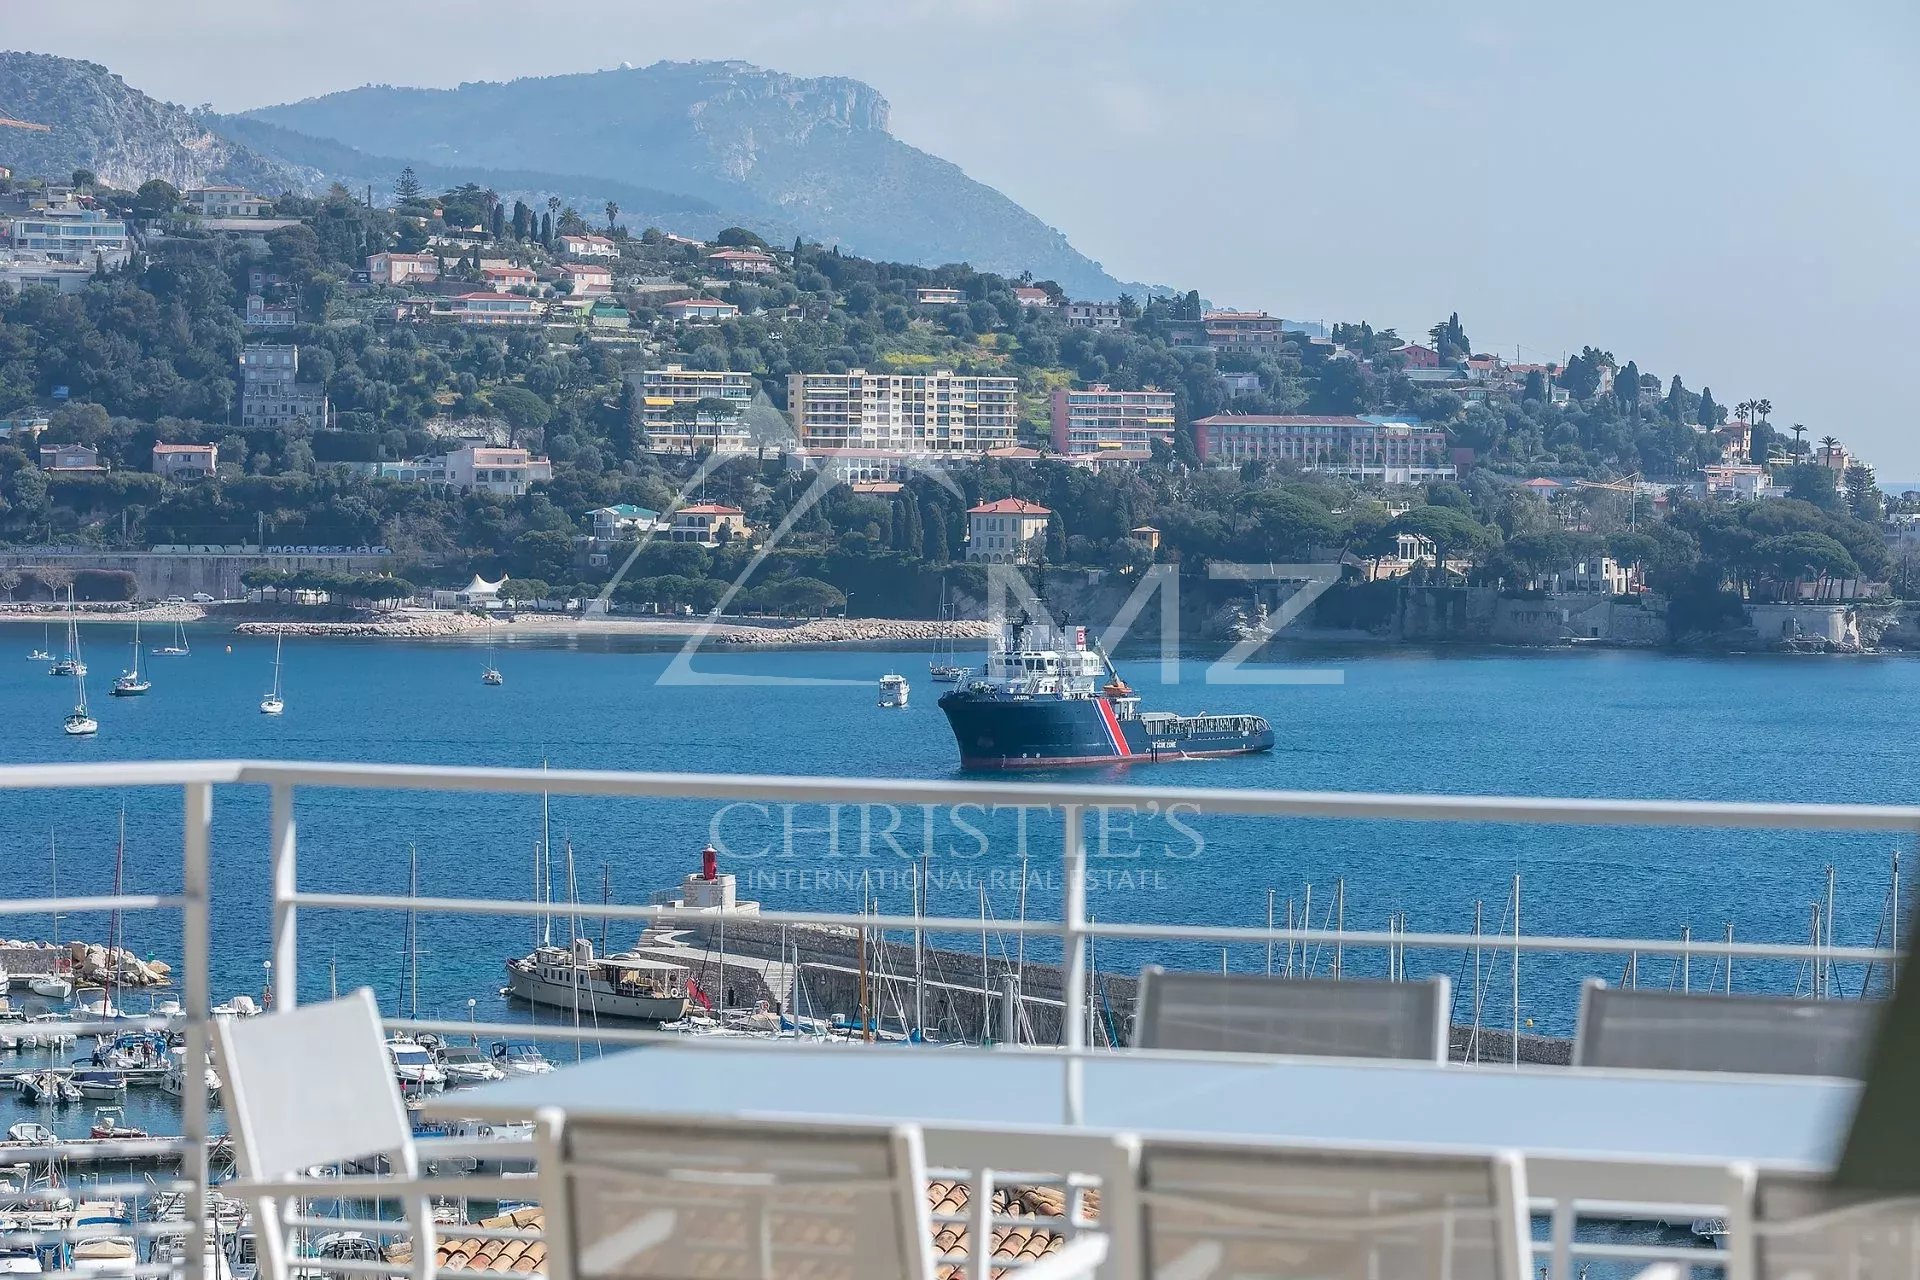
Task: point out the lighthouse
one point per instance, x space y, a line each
710 889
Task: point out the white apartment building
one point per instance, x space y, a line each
939 412
1099 419
490 470
71 233
667 400
225 202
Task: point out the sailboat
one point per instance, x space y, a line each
70 664
56 985
273 704
942 667
492 674
78 724
178 649
132 684
45 652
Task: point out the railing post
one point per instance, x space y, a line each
195 930
286 884
1073 959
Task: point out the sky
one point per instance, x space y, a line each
1727 192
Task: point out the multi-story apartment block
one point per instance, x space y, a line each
1093 315
271 394
1254 331
588 246
1100 419
72 233
1360 449
674 425
939 412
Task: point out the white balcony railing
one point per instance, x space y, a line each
1070 928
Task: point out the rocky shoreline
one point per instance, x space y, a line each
413 627
859 631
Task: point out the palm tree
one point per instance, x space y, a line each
1763 408
1799 429
613 211
1828 444
553 207
1742 410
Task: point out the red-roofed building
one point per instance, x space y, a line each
1008 531
399 268
1415 356
504 279
1028 296
587 278
185 461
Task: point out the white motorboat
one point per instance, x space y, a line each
31 1134
109 1249
51 986
273 704
893 690
414 1065
468 1064
175 1080
520 1058
620 986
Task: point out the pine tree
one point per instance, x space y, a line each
406 187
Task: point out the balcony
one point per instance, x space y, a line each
1022 1104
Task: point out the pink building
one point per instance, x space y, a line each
506 279
185 461
587 278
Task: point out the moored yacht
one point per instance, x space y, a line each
893 690
414 1066
617 986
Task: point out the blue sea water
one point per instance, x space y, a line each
1619 724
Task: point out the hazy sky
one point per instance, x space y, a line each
1727 191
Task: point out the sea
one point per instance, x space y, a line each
1583 723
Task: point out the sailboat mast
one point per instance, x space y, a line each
546 869
413 927
115 962
606 897
53 857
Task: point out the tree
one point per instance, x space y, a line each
1799 429
1709 411
807 595
523 410
1828 444
406 187
1863 494
739 238
546 230
156 198
1453 532
499 223
1450 339
613 214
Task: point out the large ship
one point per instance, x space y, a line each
1048 700
619 986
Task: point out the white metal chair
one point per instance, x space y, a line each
1799 1228
1249 1013
733 1200
313 1086
1208 1210
1707 1031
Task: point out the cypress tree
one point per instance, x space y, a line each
499 223
546 230
1709 411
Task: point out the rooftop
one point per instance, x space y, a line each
1009 507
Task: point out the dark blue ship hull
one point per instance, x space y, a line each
997 730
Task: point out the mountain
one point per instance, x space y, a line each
121 134
783 151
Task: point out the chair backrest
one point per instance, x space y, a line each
312 1085
643 1199
1705 1031
1248 1013
1243 1210
1804 1229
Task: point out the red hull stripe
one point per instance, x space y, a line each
1113 728
1064 762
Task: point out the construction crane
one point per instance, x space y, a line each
1625 484
8 122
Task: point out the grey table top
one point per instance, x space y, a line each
1769 1121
